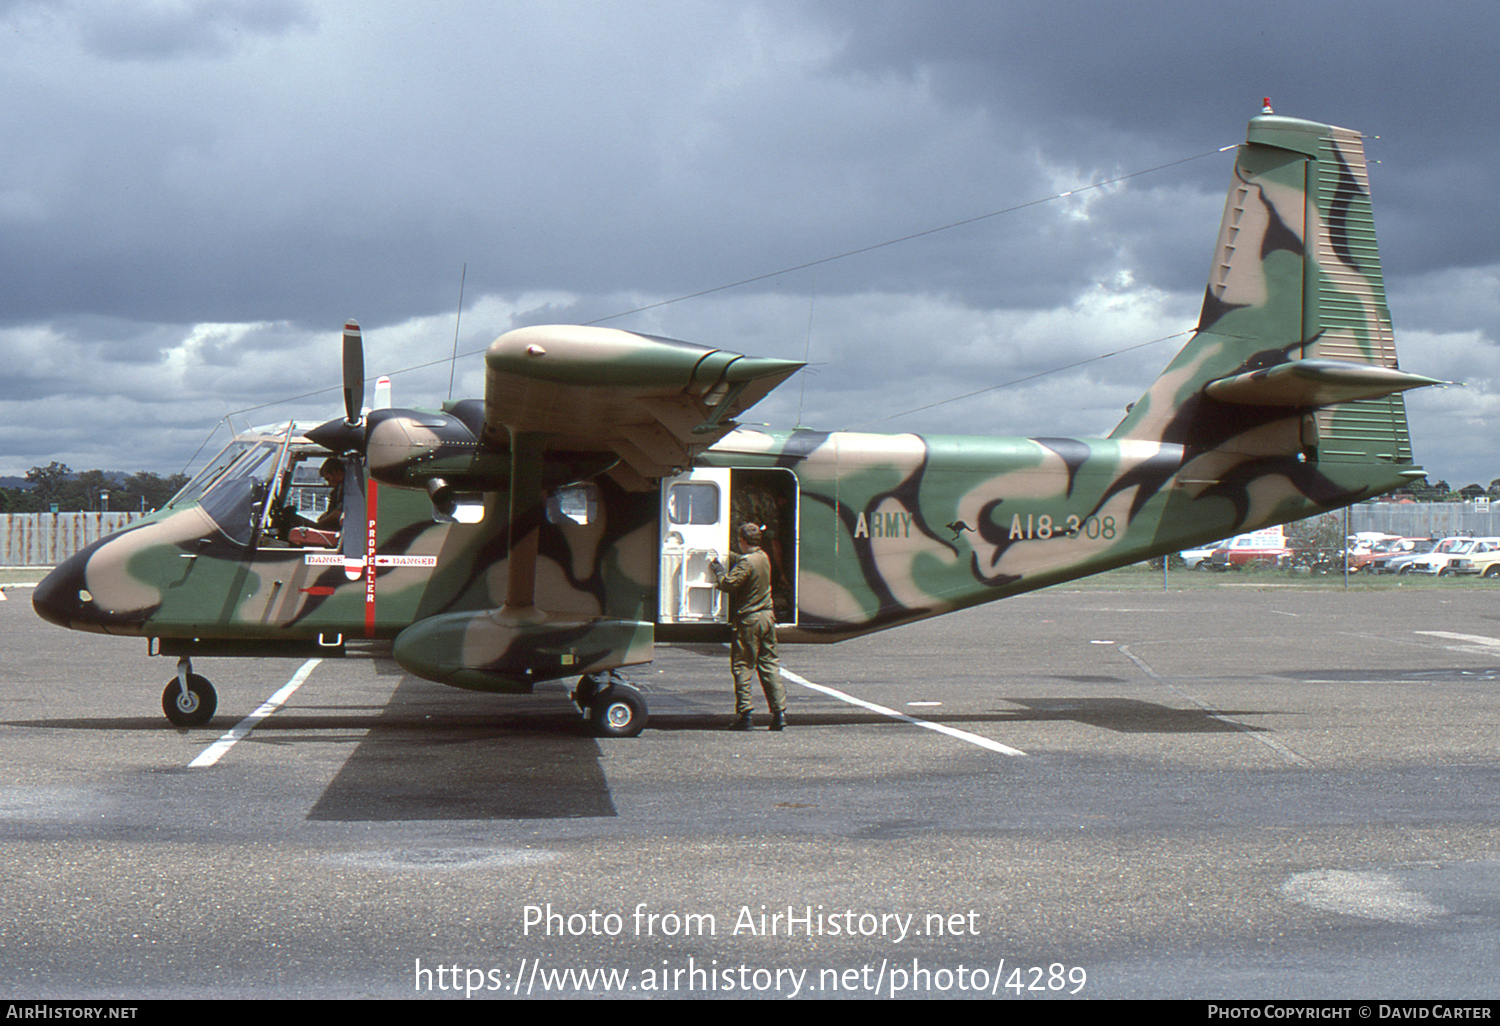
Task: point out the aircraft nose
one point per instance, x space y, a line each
60 597
63 597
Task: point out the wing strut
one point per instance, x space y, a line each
526 449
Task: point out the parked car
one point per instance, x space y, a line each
1194 557
1482 558
1437 561
1366 549
1242 551
1400 553
1486 564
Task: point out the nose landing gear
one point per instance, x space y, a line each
189 700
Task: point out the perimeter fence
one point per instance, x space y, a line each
46 539
1427 519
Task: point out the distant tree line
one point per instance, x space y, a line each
88 491
1442 491
84 490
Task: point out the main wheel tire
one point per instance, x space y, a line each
193 709
618 711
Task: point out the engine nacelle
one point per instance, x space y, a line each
411 448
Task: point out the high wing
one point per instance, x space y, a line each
563 405
590 399
655 403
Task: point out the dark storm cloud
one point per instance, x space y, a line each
1138 83
224 195
196 194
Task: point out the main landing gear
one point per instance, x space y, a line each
189 700
612 707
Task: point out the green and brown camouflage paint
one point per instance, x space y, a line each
890 528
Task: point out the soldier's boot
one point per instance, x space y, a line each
741 722
778 721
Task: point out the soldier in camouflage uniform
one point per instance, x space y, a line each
752 653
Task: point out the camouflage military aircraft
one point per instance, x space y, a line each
564 524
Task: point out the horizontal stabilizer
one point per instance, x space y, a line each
1314 383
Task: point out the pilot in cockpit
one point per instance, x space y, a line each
324 531
332 473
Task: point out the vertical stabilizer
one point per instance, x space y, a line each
1295 286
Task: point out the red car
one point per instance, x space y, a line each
1242 552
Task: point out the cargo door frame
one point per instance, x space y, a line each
701 512
694 528
770 497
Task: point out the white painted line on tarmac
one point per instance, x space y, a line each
216 751
1270 742
1473 639
962 735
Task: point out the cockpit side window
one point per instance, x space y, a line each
306 507
304 491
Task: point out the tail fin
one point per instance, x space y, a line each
1294 331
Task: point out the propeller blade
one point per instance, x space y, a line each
354 519
354 372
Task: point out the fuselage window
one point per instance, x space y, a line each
574 504
693 502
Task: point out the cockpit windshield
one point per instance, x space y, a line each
232 485
236 459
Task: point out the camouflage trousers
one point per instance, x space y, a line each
752 654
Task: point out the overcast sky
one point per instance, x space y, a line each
195 193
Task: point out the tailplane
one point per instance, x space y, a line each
1294 353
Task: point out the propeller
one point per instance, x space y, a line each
404 447
347 435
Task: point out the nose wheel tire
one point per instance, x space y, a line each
193 709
